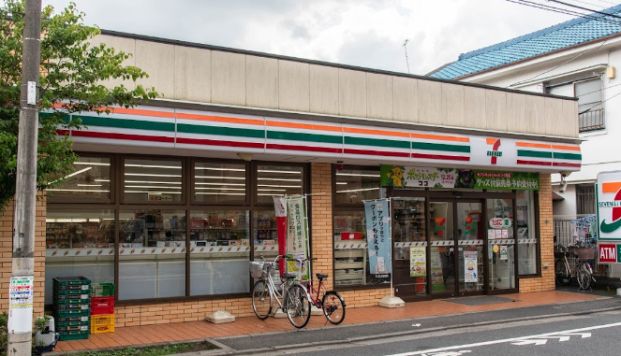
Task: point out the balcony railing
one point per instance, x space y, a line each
592 120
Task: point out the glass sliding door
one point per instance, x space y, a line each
470 235
409 247
442 257
501 244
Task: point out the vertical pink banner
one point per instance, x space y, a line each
280 211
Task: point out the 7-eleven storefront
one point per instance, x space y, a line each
171 200
171 204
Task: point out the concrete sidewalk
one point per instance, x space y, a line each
190 331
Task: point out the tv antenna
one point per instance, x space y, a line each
405 50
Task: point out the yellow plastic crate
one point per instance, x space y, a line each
103 323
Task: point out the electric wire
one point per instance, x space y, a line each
585 9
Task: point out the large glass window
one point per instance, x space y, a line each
527 234
273 180
352 186
151 254
79 242
89 181
178 235
265 234
220 183
219 251
150 180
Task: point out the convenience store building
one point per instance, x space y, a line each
171 199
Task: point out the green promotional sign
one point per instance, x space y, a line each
425 177
506 180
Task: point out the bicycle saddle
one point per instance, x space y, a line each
288 275
321 276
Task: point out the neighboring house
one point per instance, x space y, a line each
581 58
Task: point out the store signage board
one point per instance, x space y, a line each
428 177
609 206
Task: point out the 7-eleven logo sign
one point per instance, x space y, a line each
611 190
495 152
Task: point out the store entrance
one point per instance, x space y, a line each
457 241
453 246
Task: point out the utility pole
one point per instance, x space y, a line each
21 289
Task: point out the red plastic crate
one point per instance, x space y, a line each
102 305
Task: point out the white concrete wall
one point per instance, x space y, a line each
245 80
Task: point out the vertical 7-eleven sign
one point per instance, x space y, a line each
609 205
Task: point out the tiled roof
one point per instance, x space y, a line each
563 35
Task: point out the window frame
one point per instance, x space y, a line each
117 204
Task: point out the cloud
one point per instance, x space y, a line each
359 32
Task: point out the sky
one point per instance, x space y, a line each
367 33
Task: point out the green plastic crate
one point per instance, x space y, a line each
79 301
72 309
66 320
73 335
84 289
70 313
70 282
68 324
102 289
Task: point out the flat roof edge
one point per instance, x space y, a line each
322 63
168 103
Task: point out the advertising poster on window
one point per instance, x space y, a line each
20 304
379 238
418 261
297 231
471 273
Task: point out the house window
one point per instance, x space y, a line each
585 199
589 91
591 111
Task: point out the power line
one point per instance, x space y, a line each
585 8
563 11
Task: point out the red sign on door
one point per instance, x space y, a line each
607 253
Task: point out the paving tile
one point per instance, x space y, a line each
196 330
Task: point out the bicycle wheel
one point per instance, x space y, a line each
297 306
261 300
584 278
333 307
562 277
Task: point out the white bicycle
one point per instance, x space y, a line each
288 295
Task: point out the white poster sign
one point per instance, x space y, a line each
471 268
20 304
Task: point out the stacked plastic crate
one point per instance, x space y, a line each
72 299
102 308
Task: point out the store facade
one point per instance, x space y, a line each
171 200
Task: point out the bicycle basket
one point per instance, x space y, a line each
256 269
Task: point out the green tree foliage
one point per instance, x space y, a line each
73 71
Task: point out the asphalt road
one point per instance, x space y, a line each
593 334
569 329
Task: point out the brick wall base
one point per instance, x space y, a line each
6 252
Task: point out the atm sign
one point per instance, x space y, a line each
607 253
